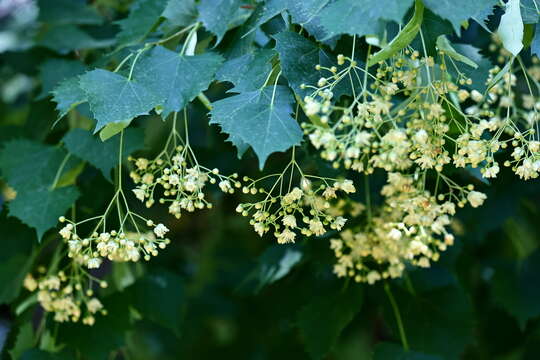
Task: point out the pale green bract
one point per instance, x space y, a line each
511 28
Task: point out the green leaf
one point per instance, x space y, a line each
260 118
55 71
307 14
114 98
439 321
457 11
511 28
68 12
24 340
444 45
535 44
217 15
181 12
174 78
16 257
390 351
432 27
274 264
324 317
143 16
342 16
102 155
248 72
298 57
160 297
516 288
530 9
67 95
37 354
66 38
31 168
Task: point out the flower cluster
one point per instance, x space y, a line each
69 296
436 122
418 121
287 210
114 245
411 227
182 179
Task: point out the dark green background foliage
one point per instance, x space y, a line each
219 291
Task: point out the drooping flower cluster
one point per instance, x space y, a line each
68 295
410 114
418 121
288 209
181 178
411 227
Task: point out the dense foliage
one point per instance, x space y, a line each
261 179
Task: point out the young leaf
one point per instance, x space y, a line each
216 15
143 16
511 28
114 98
457 11
248 72
102 155
260 118
174 78
324 317
343 16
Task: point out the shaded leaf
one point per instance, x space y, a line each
274 264
55 71
67 95
342 16
102 155
298 57
180 12
248 72
260 118
217 15
66 38
516 287
174 78
68 12
114 98
324 317
390 351
457 11
143 16
160 297
30 168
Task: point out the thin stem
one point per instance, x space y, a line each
368 197
397 314
60 170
